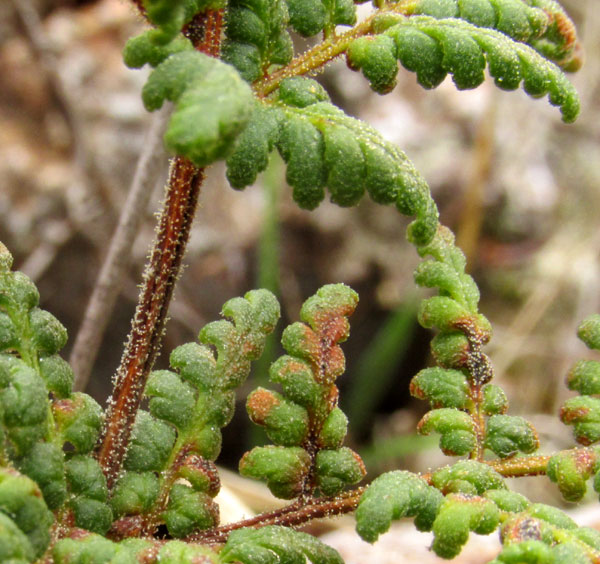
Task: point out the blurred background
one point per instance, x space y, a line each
520 189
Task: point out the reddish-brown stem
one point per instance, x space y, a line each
150 316
159 278
298 513
213 26
301 512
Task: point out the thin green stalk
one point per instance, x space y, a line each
268 272
376 366
268 250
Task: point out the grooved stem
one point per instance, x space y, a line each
150 315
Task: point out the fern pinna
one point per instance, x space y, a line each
240 92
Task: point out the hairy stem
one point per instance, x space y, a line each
520 467
160 275
314 58
298 513
479 421
302 511
150 316
107 288
480 373
326 51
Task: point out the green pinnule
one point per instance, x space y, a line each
304 422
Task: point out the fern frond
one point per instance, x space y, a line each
456 429
543 24
141 50
325 148
304 422
545 534
508 434
434 48
469 412
87 547
212 102
24 518
35 425
570 470
583 411
467 477
455 310
182 436
460 514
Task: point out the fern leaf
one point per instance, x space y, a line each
443 388
305 422
142 50
583 412
276 545
589 332
543 24
468 476
284 469
455 427
309 17
571 470
514 18
189 509
435 47
88 547
24 515
150 445
324 148
257 36
506 435
196 401
89 499
455 310
458 515
393 496
212 105
541 533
